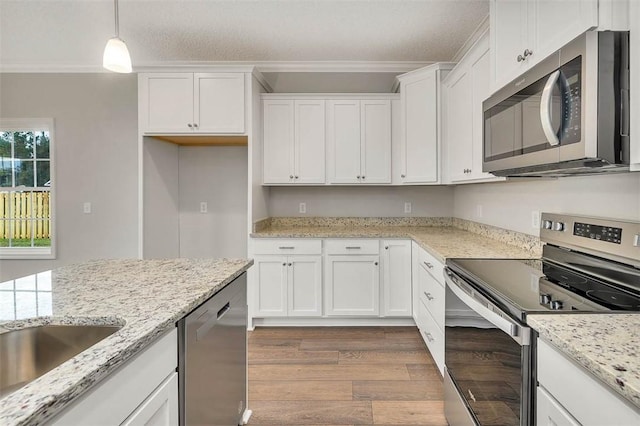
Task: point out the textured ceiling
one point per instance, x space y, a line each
72 33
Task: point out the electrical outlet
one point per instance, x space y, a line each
86 207
204 207
407 207
535 219
479 211
302 208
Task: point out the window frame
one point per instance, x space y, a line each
35 124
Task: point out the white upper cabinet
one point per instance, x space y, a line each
359 141
294 141
525 32
466 87
201 103
420 125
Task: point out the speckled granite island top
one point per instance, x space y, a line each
146 296
442 237
607 345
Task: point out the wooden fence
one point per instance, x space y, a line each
24 215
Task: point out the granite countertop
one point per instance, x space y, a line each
607 345
147 297
440 238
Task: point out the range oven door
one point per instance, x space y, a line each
487 359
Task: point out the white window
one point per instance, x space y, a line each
26 189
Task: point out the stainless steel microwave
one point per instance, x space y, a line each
567 115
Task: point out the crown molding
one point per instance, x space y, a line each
476 35
231 66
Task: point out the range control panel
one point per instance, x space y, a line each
597 232
613 239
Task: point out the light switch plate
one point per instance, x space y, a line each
86 207
302 208
204 207
407 207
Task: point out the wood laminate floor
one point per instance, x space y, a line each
343 376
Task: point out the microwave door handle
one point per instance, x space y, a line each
545 109
515 331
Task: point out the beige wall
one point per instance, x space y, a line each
95 119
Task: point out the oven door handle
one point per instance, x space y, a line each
483 307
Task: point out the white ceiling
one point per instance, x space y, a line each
71 34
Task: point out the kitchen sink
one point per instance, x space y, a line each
28 353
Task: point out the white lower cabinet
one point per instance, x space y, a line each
352 285
429 302
396 278
569 395
288 286
143 391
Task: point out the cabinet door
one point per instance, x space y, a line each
419 147
396 284
375 157
459 125
352 286
167 102
509 38
278 141
219 102
305 286
343 138
555 23
271 288
160 408
549 412
309 142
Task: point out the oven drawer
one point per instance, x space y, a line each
431 334
342 246
431 293
287 246
431 264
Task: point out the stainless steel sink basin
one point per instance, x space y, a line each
28 353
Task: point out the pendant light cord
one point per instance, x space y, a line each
115 7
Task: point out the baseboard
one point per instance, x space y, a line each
332 322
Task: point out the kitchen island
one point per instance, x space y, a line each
145 297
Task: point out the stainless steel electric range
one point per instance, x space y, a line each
588 265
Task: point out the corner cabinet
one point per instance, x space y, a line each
192 103
294 141
525 32
420 98
359 141
465 88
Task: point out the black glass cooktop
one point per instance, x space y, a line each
564 283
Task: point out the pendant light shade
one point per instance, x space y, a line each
116 55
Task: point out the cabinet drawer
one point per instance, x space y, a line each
433 265
431 335
287 246
432 295
371 246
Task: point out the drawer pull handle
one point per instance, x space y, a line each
429 265
353 247
428 296
429 336
286 247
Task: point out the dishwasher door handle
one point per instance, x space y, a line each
224 310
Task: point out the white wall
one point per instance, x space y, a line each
216 175
95 119
362 201
161 192
509 204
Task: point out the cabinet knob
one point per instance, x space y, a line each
520 58
386 247
358 177
284 264
289 264
296 177
290 176
403 176
527 52
428 265
195 124
363 177
190 125
375 263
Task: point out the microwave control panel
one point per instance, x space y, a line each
571 99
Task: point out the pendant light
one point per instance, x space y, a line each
116 55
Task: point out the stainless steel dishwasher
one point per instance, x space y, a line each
212 366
